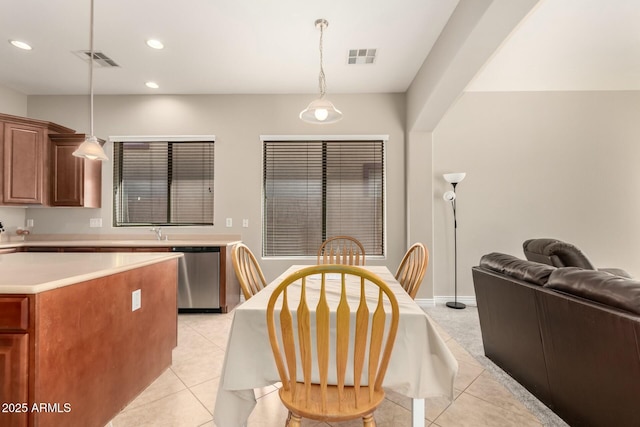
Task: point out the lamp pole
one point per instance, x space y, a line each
454 179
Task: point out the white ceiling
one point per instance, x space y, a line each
217 46
260 46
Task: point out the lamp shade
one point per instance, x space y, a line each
449 196
91 149
321 111
454 178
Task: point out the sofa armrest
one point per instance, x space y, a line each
528 271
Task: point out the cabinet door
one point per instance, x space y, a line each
14 384
67 175
74 181
23 150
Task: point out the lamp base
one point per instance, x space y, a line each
456 305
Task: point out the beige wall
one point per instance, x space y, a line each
12 102
12 218
419 203
559 164
237 121
553 164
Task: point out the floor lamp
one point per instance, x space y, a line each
450 196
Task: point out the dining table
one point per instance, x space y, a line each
421 364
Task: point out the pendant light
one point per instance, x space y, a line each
321 110
91 148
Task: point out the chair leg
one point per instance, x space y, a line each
368 421
293 420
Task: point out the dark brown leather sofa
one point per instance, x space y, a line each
562 254
570 336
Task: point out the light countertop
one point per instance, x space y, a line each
120 241
32 273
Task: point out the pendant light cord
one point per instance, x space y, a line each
321 78
91 71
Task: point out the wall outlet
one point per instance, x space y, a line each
229 222
245 223
136 299
95 222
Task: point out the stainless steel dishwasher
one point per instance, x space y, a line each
198 279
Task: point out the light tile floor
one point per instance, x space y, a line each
184 395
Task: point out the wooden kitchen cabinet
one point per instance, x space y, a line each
24 157
74 181
152 249
14 358
42 249
96 249
15 351
113 249
229 287
94 370
23 162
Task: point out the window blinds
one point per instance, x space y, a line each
314 190
163 183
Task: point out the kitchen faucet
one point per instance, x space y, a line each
158 232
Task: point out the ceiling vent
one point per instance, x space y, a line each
99 58
362 56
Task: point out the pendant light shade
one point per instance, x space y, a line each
91 148
321 111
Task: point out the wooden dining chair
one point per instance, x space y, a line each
357 390
341 250
412 268
247 270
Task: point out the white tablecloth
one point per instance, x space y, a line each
421 364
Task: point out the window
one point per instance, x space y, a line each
167 182
318 189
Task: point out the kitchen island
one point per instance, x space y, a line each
221 278
82 334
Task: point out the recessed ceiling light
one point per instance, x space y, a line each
152 85
20 45
155 44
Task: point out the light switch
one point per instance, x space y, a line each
136 299
229 222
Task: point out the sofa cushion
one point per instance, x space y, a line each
599 286
517 268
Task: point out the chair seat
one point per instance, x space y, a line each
334 410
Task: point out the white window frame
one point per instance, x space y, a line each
360 137
157 138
